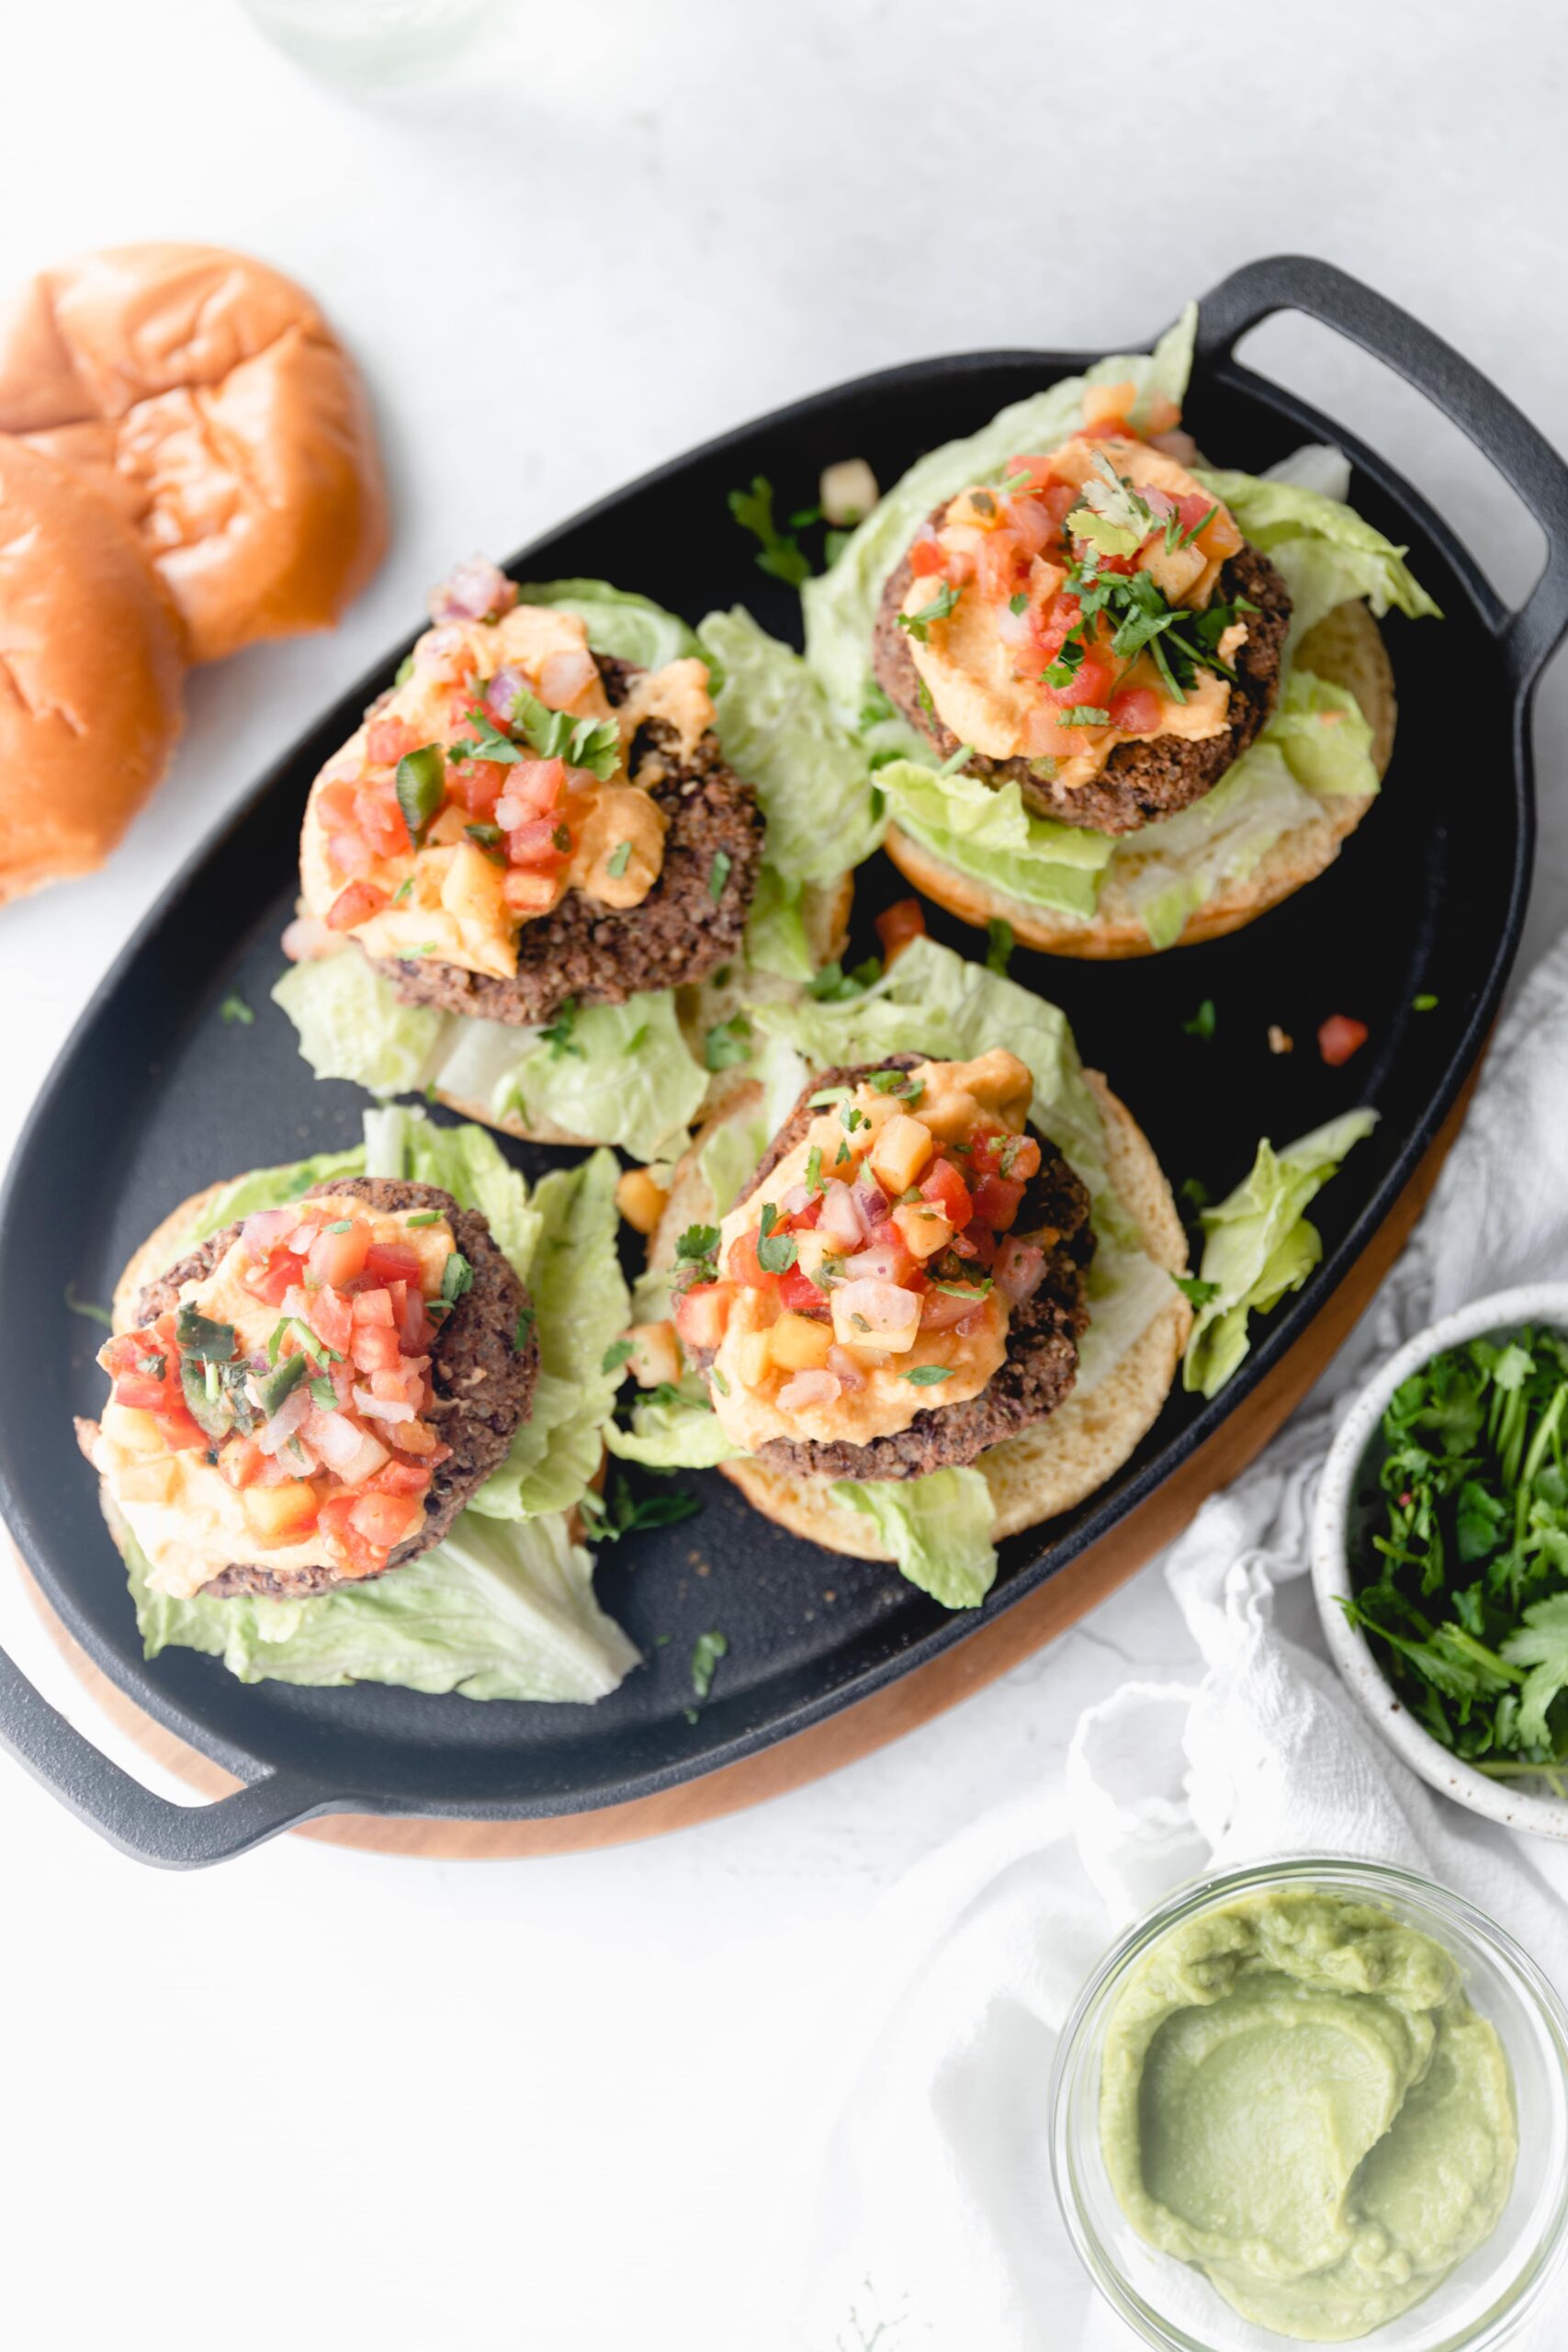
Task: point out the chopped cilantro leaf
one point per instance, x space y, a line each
728 1043
86 1306
926 1376
1424 1004
618 859
558 1035
943 603
622 1513
1202 1022
421 787
1196 1293
718 875
706 1655
778 554
618 1353
457 1276
999 943
234 1008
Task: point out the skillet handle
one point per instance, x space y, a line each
147 1828
1523 456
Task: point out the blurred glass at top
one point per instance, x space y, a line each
378 42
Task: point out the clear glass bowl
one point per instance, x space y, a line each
1488 2296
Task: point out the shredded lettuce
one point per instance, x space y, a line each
1323 551
625 1078
840 607
631 628
272 1188
351 1026
775 928
987 832
938 1528
493 1613
813 779
1260 1244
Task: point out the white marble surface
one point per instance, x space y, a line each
318 2097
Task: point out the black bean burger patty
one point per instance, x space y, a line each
692 921
484 1386
1041 1358
1139 782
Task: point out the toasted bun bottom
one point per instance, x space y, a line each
825 911
1347 648
1048 1468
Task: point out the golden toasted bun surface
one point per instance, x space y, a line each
207 398
1047 1469
91 668
1347 648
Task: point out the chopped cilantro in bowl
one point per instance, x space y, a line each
1440 1554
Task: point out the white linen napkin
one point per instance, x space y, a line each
934 2226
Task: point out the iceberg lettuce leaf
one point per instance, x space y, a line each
938 1528
1258 1244
813 779
632 627
351 1026
465 1161
493 1613
1322 548
675 1432
626 1077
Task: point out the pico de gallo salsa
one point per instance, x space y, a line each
1072 607
873 1275
297 1373
490 781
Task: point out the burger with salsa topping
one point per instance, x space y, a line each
1116 698
521 822
901 1292
309 1399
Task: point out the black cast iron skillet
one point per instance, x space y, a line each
154 1096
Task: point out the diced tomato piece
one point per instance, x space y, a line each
1000 564
331 1319
476 784
542 842
977 1243
392 1262
804 1219
335 1522
1062 617
240 1460
382 822
1339 1037
355 905
282 1272
140 1392
413 1323
897 924
744 1266
945 1189
180 1432
386 1519
386 741
1091 682
900 1262
336 1259
335 804
799 1292
349 853
373 1307
702 1313
374 1347
996 1200
417 1437
534 788
397 1477
529 889
1219 536
1134 710
1108 428
1024 1159
927 558
1033 475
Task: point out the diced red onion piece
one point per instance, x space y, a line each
475 589
1020 1269
808 1388
290 1416
381 1409
1015 628
882 1263
1173 444
885 1306
843 1219
442 653
797 1198
842 1365
873 1201
501 695
266 1229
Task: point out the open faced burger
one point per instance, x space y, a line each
533 883
882 1337
1146 700
521 822
310 1398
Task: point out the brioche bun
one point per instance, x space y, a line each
1347 648
91 665
1052 1465
207 398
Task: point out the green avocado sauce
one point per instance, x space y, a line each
1296 2096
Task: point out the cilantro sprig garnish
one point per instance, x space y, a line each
1459 1558
945 602
592 743
778 552
697 1253
623 1513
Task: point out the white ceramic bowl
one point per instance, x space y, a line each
1516 1803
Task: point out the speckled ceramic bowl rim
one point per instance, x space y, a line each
1544 1815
